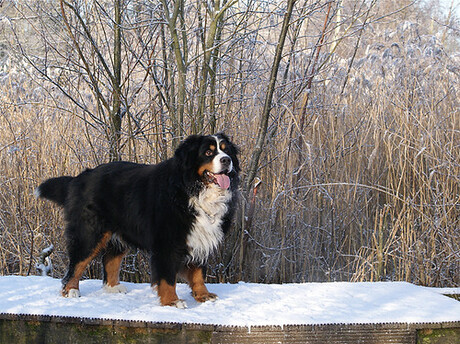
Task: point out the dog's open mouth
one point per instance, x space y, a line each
220 179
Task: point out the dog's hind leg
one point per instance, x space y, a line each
80 255
111 260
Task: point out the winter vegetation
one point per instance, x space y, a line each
346 114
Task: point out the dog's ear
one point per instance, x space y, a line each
187 152
233 152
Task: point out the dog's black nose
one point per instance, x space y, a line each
225 161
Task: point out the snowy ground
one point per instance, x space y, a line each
242 304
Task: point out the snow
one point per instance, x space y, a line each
242 304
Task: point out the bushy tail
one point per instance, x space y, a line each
54 189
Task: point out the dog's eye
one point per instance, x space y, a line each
209 152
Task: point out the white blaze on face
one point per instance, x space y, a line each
216 162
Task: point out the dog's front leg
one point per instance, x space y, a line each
164 282
168 296
195 278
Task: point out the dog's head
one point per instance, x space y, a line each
212 159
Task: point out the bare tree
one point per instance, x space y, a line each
89 55
347 120
264 117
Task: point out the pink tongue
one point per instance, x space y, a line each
223 181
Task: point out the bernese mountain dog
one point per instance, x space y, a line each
178 211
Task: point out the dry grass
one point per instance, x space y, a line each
370 190
366 187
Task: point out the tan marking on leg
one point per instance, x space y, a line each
167 293
112 270
195 279
79 269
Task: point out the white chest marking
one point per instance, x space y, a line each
206 233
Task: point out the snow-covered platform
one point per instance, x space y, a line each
244 313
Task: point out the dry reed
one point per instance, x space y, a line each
365 187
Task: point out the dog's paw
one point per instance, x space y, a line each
119 288
205 297
181 304
73 293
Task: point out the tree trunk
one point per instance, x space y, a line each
263 125
115 115
262 129
180 58
210 51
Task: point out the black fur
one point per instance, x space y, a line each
55 189
146 206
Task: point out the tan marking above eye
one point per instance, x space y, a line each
211 150
223 146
